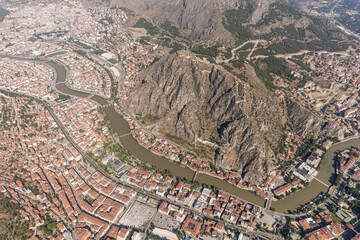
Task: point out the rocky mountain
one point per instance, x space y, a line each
306 123
195 100
226 22
240 117
201 19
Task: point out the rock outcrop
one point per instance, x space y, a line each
262 7
200 19
190 96
306 123
203 20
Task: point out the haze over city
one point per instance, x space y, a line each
164 119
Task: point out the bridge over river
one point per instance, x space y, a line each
121 127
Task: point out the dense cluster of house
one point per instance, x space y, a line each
23 35
86 75
25 77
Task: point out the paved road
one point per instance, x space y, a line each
151 195
233 51
139 190
268 200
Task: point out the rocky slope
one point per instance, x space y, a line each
195 100
306 123
200 19
191 98
222 21
200 102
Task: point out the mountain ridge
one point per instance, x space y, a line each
207 21
193 99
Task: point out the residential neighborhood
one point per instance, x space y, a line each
65 169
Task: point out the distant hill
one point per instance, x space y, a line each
230 22
239 113
345 12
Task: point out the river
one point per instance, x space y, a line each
121 127
305 195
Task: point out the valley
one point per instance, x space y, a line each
231 120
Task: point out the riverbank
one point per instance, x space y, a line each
315 187
121 127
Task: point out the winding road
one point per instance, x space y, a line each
59 86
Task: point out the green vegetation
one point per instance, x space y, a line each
179 234
80 52
153 237
335 218
277 11
90 201
145 40
125 10
353 192
170 28
113 61
288 31
295 37
287 46
48 226
243 54
176 47
264 67
210 59
277 66
355 205
351 21
237 63
264 76
320 30
164 172
207 51
149 119
336 178
83 45
57 54
261 51
306 148
98 51
247 46
233 22
107 20
234 65
155 60
12 225
168 42
228 54
143 23
302 64
176 139
281 146
62 97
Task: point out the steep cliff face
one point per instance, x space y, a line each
190 96
195 100
306 123
200 19
262 7
205 20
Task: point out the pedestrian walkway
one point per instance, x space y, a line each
322 182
